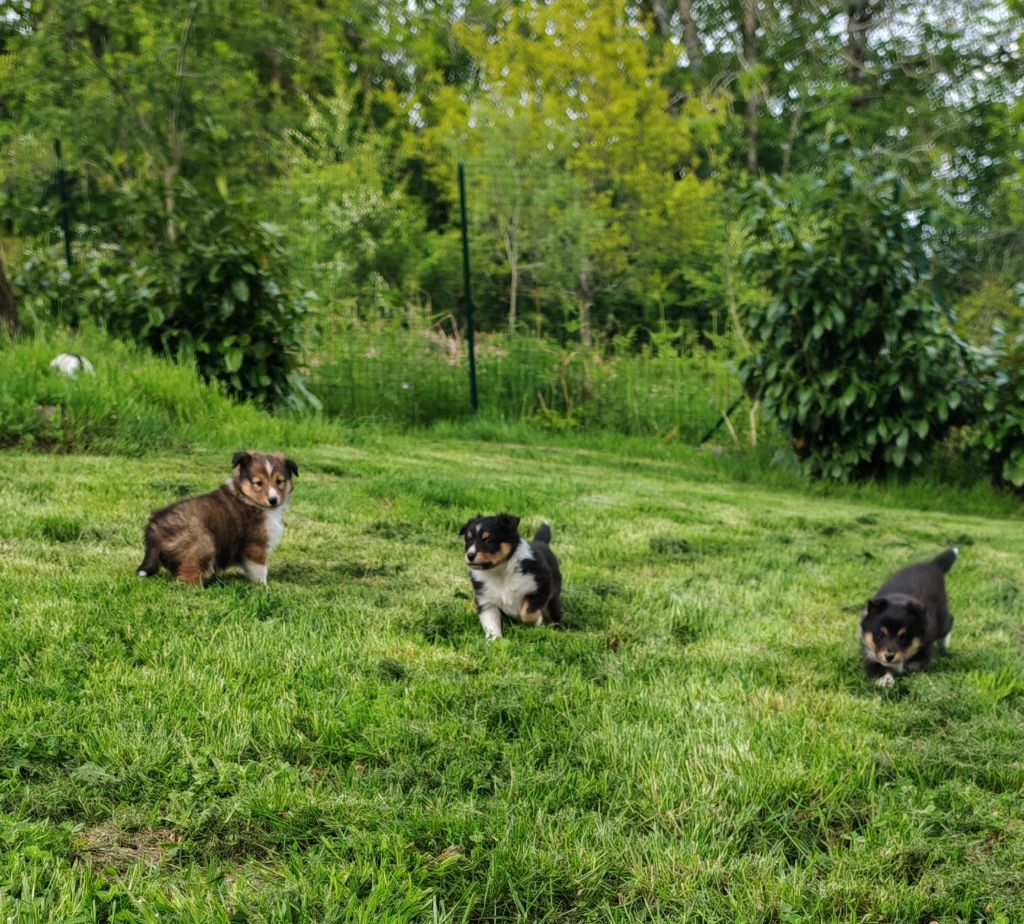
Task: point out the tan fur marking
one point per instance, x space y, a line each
869 642
496 558
192 574
912 649
527 616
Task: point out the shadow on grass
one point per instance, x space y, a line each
308 574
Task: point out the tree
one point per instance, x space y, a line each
853 354
569 83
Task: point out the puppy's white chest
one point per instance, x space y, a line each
273 520
507 588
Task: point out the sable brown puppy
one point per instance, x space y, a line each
903 621
238 524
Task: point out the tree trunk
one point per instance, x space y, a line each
586 334
860 19
9 320
661 17
690 38
513 291
750 55
511 242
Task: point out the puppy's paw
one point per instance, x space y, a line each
886 680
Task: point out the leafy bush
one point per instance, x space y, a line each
997 432
216 288
852 352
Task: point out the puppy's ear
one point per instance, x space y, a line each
464 530
877 605
291 468
509 521
241 459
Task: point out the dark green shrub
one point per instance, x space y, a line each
216 288
853 355
997 432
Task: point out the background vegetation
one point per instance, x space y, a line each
273 190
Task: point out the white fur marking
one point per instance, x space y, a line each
274 522
896 667
143 572
886 680
490 619
268 467
505 586
945 641
956 552
257 573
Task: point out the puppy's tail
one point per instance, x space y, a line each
947 559
151 563
544 533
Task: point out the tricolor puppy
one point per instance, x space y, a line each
238 524
904 620
510 575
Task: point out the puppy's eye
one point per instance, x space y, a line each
257 483
902 634
280 481
883 632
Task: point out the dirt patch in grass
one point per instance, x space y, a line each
107 845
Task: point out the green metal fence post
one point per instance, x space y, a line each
473 399
65 204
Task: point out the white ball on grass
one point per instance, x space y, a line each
70 364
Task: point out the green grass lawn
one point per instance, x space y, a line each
698 745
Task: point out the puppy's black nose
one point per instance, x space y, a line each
889 656
272 501
470 556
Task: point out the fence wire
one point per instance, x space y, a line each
394 347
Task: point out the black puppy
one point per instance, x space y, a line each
904 620
510 575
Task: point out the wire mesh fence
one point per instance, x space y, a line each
559 339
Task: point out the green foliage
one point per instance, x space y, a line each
997 430
348 221
135 404
600 135
852 354
206 278
415 374
579 213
